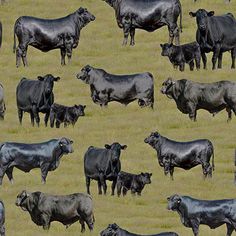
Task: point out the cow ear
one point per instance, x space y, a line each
142 173
211 13
56 78
161 45
192 14
84 106
168 198
156 134
107 146
87 68
71 141
179 201
80 10
150 174
40 78
123 147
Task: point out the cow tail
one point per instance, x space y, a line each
14 45
213 156
152 90
0 34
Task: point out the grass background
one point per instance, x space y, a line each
100 46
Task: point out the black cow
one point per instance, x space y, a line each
179 55
147 15
107 87
2 103
34 96
26 157
115 230
2 219
194 212
67 209
191 96
49 34
0 34
185 155
135 183
64 114
215 34
103 164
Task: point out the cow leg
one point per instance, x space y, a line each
87 184
9 174
90 222
2 172
124 191
192 111
126 35
46 221
233 54
126 22
99 187
216 53
58 123
20 115
198 62
18 56
63 56
69 53
230 229
103 182
32 118
82 225
36 114
113 186
44 172
220 60
228 109
23 49
181 67
46 117
132 33
204 60
191 65
118 188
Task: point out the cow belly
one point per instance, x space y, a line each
46 46
212 107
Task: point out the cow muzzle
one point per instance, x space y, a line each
92 18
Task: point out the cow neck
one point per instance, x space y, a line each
183 212
178 89
57 153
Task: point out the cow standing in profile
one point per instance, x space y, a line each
215 34
48 34
147 15
34 96
66 209
185 155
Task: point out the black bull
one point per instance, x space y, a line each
191 96
147 15
67 209
215 34
26 157
115 230
185 155
194 212
49 34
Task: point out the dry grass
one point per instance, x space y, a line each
100 46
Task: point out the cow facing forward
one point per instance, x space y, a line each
215 34
66 209
194 212
147 15
185 155
115 230
34 96
48 34
64 114
103 164
26 157
191 96
124 89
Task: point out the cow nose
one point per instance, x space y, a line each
145 140
93 18
162 91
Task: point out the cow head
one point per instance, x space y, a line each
48 81
152 139
66 145
115 149
202 18
174 202
166 49
111 230
22 200
85 16
85 74
145 177
79 110
167 87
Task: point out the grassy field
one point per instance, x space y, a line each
100 46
